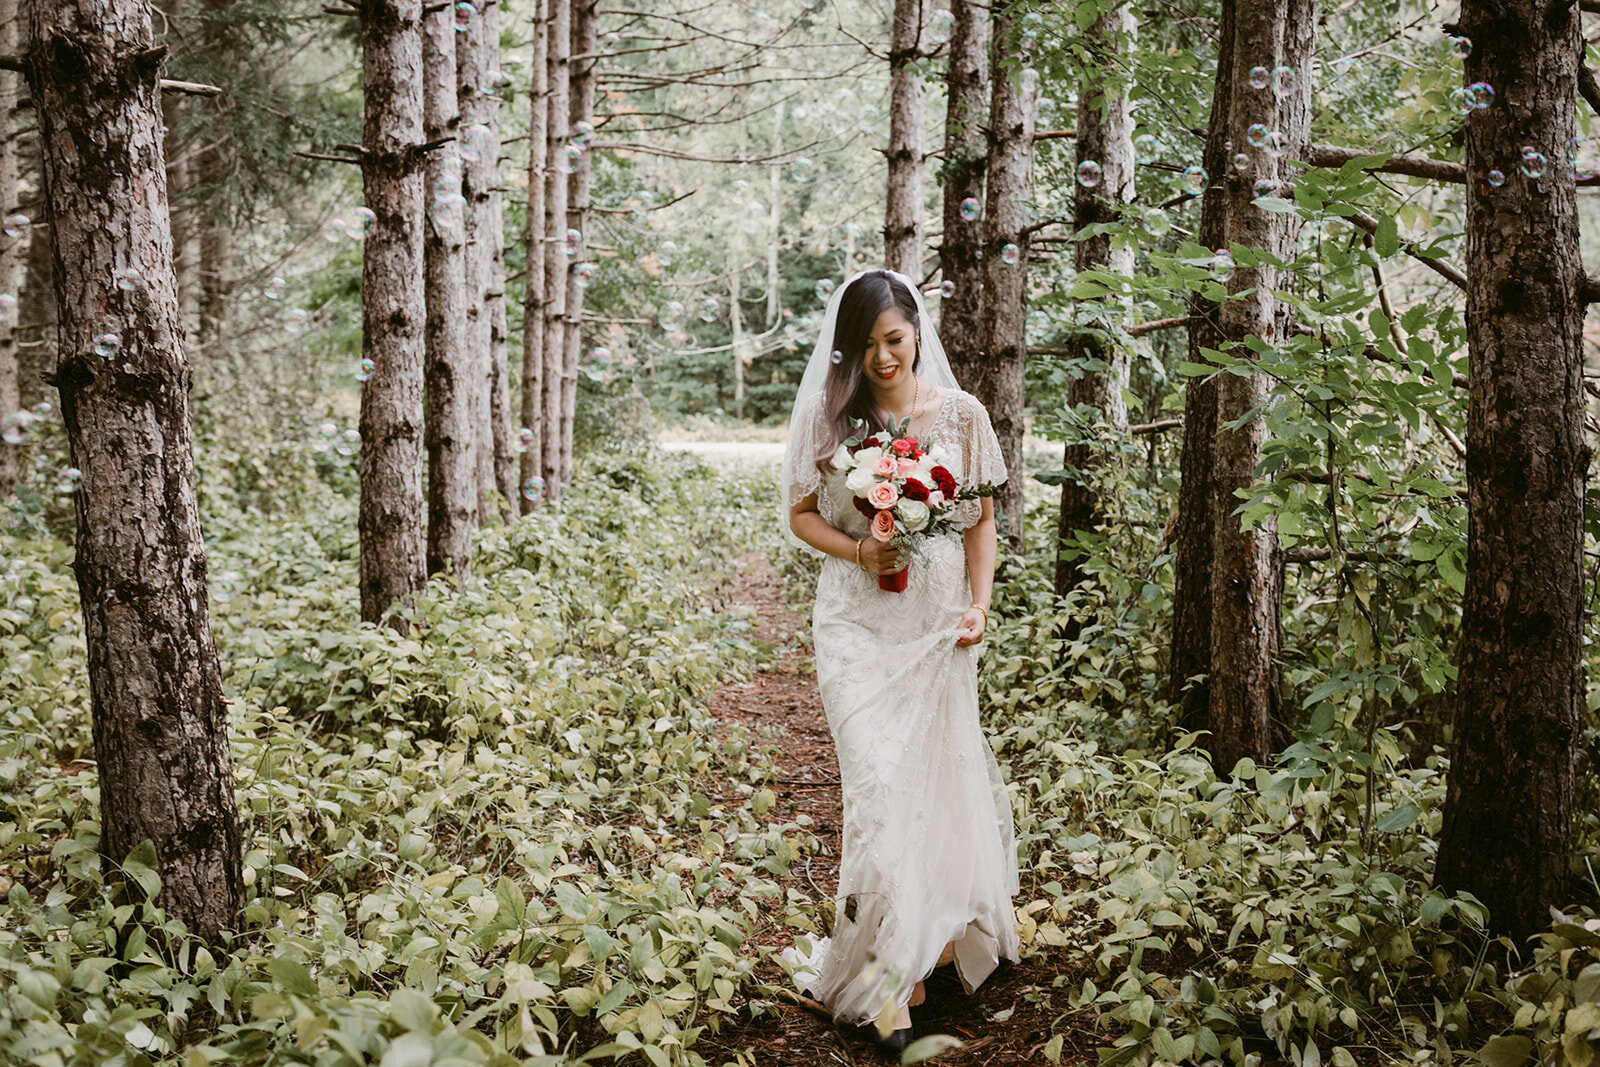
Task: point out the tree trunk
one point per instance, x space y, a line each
581 107
450 434
392 309
159 722
500 413
534 416
1247 565
1520 686
902 225
736 346
998 381
11 249
966 148
558 32
1105 135
475 73
37 349
775 222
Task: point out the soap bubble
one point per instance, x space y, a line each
709 309
107 345
129 279
1533 162
941 26
1241 161
573 242
970 208
1144 148
1256 134
1222 265
671 315
474 141
1157 222
490 81
583 273
533 489
836 356
583 133
364 369
948 289
8 309
333 230
17 225
323 436
1088 174
1264 187
1480 95
1461 100
825 289
1010 253
359 221
1283 80
70 479
803 169
349 443
524 441
1260 77
296 319
1195 180
450 210
464 13
1497 178
1461 46
14 427
274 288
1032 23
567 162
1277 144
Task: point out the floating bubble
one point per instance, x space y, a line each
1264 187
524 440
1241 161
1461 100
490 81
1480 95
941 26
446 187
709 309
359 221
1277 144
824 289
474 141
42 409
1533 162
533 489
450 210
129 279
1583 168
333 230
14 427
296 319
1461 46
1088 174
1030 79
970 208
583 273
8 309
17 225
1256 134
1260 77
836 356
464 14
1195 180
1283 80
1144 148
274 288
567 163
349 443
667 253
323 436
803 169
225 586
364 369
1222 265
1032 23
583 133
948 289
1010 253
1496 178
671 315
1156 222
70 479
573 242
107 345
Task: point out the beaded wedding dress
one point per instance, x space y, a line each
928 841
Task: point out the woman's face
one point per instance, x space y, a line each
891 349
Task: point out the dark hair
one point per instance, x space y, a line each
845 393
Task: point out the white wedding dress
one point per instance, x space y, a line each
929 856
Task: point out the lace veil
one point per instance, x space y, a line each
799 475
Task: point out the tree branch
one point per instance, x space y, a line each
1588 288
1142 328
1159 426
1438 266
18 64
1439 170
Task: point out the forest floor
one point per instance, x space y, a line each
999 1023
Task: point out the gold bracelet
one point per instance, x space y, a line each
985 614
858 553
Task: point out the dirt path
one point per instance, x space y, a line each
1007 1021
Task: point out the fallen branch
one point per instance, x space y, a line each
1439 170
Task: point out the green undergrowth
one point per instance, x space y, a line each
510 837
1257 914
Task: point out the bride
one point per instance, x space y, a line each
928 865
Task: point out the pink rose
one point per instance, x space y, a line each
935 498
906 465
885 467
883 495
883 526
902 446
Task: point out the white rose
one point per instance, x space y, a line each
841 458
859 480
914 513
923 471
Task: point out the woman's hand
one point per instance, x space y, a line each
883 557
973 624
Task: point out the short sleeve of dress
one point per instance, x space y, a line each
801 477
985 461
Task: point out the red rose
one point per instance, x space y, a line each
866 509
945 481
871 442
914 490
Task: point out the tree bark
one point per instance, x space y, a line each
902 225
11 249
1105 135
581 107
534 416
475 70
1247 568
1520 685
966 148
159 722
392 310
998 380
449 434
558 31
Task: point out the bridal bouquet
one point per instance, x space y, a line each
901 487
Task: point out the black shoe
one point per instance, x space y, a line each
896 1041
